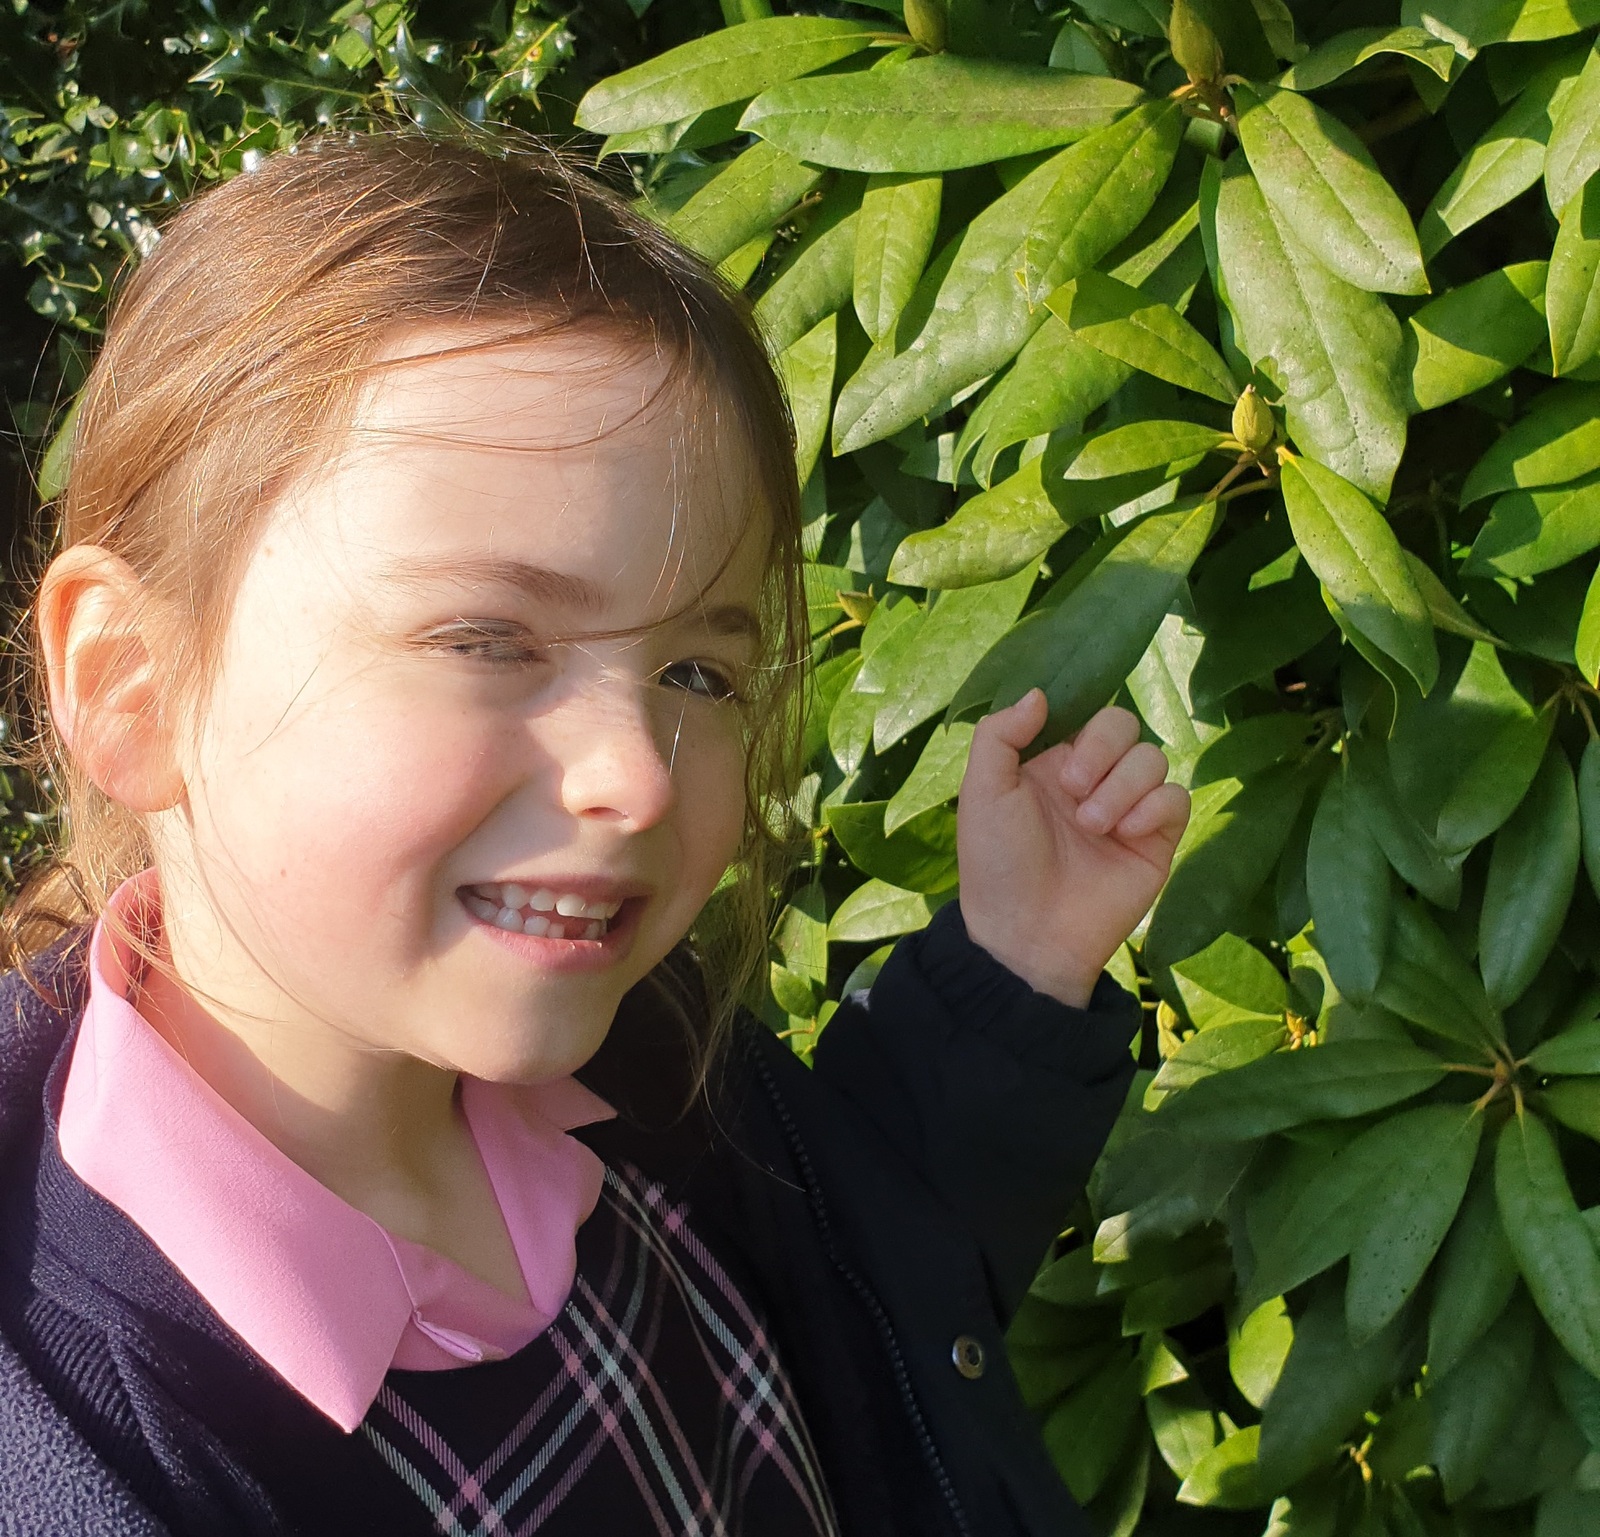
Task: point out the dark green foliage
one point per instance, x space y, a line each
1351 603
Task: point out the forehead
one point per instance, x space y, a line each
576 450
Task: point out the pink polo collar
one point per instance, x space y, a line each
323 1294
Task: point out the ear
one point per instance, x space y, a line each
104 677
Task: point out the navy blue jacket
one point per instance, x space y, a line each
891 1200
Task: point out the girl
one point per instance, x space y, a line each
421 655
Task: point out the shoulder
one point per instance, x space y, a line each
39 1004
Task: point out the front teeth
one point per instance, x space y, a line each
541 912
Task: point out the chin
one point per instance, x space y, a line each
528 1061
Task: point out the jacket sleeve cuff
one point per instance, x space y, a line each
1090 1044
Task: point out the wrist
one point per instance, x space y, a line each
1060 976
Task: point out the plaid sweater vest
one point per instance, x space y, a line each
655 1404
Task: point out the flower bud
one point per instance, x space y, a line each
1253 424
926 22
1195 48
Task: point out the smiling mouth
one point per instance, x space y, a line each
541 912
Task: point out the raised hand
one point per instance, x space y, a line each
1063 855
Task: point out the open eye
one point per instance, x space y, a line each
491 640
702 678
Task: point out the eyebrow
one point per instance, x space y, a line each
559 588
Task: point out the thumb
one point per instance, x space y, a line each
994 758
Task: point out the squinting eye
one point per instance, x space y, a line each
484 639
699 678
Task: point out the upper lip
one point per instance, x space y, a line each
592 888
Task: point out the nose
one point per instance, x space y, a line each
614 753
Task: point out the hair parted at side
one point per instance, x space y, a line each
231 363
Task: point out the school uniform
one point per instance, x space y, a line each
781 1313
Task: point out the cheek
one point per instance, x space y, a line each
341 812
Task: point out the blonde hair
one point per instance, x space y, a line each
232 362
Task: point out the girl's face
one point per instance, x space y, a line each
433 802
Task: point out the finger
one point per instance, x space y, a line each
997 742
1164 811
1134 775
1097 747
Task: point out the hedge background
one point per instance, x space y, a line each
1236 359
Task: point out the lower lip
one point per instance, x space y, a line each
569 955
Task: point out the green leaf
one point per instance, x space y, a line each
806 369
1494 781
726 66
1477 23
1529 532
1572 290
1575 1102
992 536
801 934
1224 860
1443 608
962 626
1475 334
983 302
1347 882
1183 1426
1330 1082
1349 544
56 464
1081 649
814 285
1390 1228
1589 809
850 727
1573 1051
1086 1433
894 234
921 856
1176 1298
1474 1403
1226 1478
1410 850
1409 1217
1567 1512
934 113
1557 440
876 910
1341 53
1334 348
1477 1274
827 683
1427 980
1531 875
1219 1049
1258 1348
1136 446
1143 333
1160 1202
1554 1248
1504 163
936 777
1327 1383
749 195
1574 152
1321 182
1229 981
1055 380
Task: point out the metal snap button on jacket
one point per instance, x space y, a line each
968 1357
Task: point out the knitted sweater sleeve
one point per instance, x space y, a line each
999 1098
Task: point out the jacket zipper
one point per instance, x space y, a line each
869 1299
